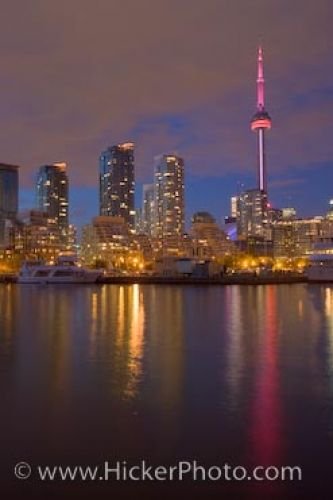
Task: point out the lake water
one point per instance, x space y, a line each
236 374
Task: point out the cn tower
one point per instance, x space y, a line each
261 122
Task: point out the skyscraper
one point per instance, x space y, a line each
52 193
261 122
252 214
169 206
8 196
117 182
148 209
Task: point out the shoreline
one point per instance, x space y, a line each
227 280
178 280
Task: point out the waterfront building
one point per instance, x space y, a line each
117 183
208 240
142 243
295 237
8 198
169 203
252 214
108 241
35 235
284 241
52 194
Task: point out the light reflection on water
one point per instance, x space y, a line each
236 373
267 418
329 320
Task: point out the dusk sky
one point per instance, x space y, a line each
173 76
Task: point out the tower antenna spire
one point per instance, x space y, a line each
260 80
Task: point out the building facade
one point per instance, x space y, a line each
117 182
8 197
169 202
252 214
52 193
37 236
295 237
148 209
209 242
108 241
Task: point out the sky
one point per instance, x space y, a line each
174 76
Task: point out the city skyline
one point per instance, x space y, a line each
166 249
201 112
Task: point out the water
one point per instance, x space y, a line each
237 374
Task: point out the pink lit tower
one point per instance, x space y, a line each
261 122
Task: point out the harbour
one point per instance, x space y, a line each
106 372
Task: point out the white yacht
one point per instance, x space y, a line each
321 262
66 270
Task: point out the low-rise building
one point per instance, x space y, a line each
209 241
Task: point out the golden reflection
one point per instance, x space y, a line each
122 313
167 351
329 321
9 305
136 340
7 314
94 306
118 318
45 325
300 308
58 311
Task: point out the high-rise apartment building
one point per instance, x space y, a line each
252 214
148 209
117 182
52 193
169 204
8 196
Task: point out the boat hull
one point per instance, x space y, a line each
320 274
28 280
57 274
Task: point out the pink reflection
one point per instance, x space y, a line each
266 421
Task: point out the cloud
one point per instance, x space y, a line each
77 76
